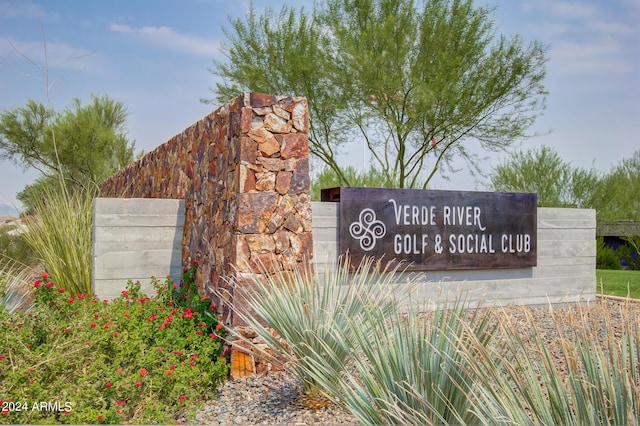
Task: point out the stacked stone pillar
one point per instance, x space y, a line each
243 171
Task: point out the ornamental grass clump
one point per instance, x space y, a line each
594 378
60 232
310 315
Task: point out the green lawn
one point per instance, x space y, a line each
618 283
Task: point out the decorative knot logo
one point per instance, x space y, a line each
367 229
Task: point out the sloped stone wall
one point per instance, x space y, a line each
243 171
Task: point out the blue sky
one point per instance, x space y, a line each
154 56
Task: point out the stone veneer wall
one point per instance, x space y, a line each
243 172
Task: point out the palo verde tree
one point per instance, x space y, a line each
419 82
543 171
84 144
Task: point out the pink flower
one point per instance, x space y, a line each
70 300
182 398
138 383
108 385
119 370
93 325
119 402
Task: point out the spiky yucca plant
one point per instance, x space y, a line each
310 314
411 368
526 384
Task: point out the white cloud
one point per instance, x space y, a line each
587 38
166 37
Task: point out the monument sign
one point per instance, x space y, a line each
438 230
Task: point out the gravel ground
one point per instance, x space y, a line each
274 399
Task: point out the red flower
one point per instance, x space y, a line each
44 275
213 335
138 383
143 372
198 331
160 348
107 325
119 370
219 327
171 367
49 284
61 290
169 373
70 300
99 418
96 315
126 315
108 385
36 284
93 324
182 398
119 402
115 334
125 293
177 353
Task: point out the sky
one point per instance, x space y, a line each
155 56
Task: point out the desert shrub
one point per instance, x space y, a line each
606 257
134 359
15 248
628 257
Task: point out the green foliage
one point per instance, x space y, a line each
389 361
311 318
606 257
394 74
619 198
557 183
629 257
15 285
61 233
621 283
527 385
14 247
84 143
328 178
134 359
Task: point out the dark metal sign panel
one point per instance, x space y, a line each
436 230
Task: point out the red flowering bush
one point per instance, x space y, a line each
83 360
